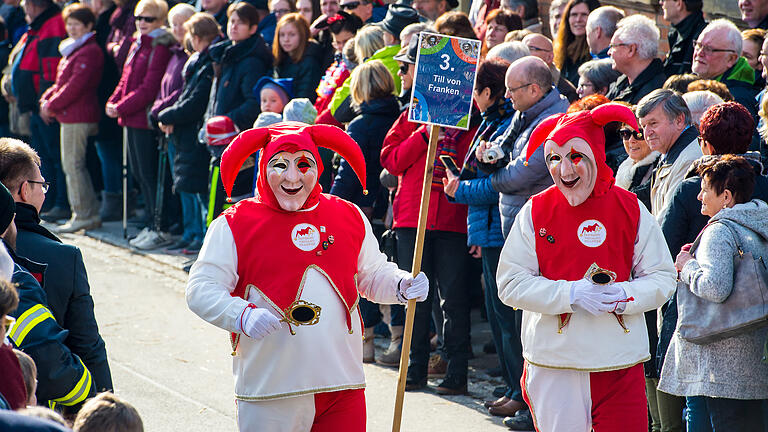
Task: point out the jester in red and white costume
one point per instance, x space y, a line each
583 342
293 246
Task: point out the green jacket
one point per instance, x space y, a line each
341 102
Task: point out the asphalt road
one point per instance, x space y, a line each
176 369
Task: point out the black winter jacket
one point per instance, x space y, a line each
681 38
67 291
306 73
650 79
191 159
237 68
369 129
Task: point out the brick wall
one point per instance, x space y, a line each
651 9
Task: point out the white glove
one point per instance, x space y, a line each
596 299
413 288
258 323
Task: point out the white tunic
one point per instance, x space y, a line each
588 342
318 358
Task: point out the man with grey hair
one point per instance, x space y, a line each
687 22
601 25
556 9
669 130
529 86
526 10
541 47
717 56
508 51
633 50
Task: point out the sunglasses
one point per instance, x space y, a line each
626 133
350 5
147 19
404 69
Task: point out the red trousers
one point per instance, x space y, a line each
341 411
563 400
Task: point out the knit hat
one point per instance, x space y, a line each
291 137
587 125
282 86
7 208
220 130
267 118
300 110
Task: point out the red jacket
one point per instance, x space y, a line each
140 82
73 98
404 154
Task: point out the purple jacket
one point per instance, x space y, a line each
123 26
73 97
140 81
172 82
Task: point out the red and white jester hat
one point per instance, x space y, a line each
587 125
291 137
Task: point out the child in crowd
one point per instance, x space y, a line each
297 56
274 93
108 413
342 27
12 386
44 413
29 372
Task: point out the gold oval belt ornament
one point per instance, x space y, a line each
600 276
301 312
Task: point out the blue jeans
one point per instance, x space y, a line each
696 414
506 334
111 157
735 414
45 141
372 315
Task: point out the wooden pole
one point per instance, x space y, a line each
418 249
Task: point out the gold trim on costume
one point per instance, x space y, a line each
300 393
605 369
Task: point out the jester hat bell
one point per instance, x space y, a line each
291 137
587 125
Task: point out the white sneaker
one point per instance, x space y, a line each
143 233
153 240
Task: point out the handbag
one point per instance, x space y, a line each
702 321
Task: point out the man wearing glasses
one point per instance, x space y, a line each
66 282
633 49
541 46
717 56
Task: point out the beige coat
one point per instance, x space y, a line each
669 175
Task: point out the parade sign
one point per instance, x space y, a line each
444 81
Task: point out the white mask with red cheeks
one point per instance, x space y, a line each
573 168
292 177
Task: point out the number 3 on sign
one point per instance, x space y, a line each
445 64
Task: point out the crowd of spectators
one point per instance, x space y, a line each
166 86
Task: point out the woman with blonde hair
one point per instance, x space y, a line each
372 91
137 89
297 56
571 49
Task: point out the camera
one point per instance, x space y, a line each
493 154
